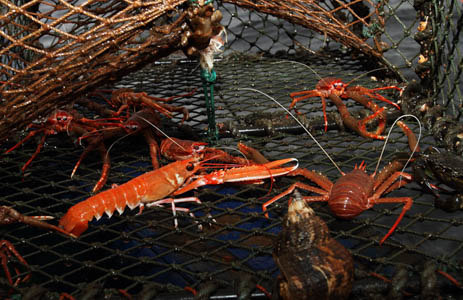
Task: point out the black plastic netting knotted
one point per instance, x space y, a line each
229 240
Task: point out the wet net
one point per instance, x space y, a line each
226 248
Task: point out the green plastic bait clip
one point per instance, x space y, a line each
208 79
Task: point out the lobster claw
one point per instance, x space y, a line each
252 173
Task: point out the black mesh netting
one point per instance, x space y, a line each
131 251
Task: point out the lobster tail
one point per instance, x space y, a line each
73 224
76 219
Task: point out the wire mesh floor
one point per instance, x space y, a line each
129 251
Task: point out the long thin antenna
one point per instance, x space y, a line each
299 63
116 141
299 122
155 127
319 77
234 149
364 74
163 133
389 134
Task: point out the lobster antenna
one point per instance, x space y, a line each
88 134
234 149
319 77
116 141
299 122
157 128
160 130
389 134
364 74
299 63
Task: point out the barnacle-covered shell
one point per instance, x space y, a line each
313 265
204 22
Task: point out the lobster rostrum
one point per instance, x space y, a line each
152 188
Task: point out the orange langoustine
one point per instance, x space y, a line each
151 188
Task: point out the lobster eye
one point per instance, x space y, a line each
196 147
190 167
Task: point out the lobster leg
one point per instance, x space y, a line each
303 95
172 201
310 94
407 205
150 103
153 146
4 258
389 183
121 109
387 88
350 121
169 99
381 126
179 109
377 113
318 178
288 191
105 169
106 163
37 151
371 93
30 135
10 249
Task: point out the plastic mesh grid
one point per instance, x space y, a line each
129 251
